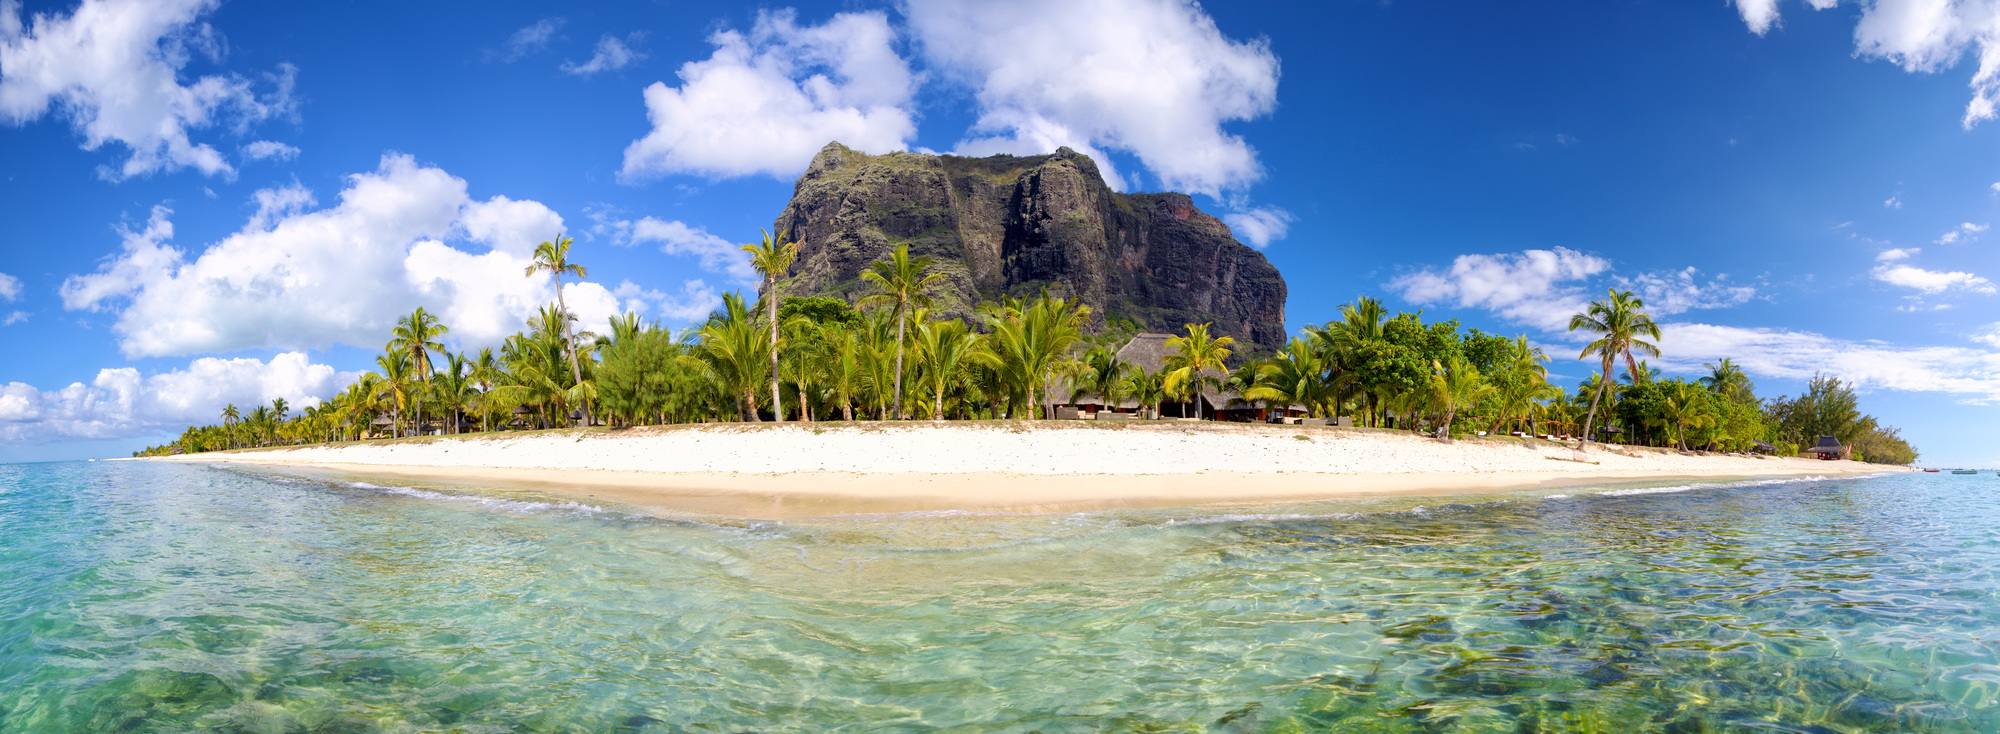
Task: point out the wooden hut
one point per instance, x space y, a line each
1830 449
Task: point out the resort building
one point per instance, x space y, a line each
1830 449
1149 352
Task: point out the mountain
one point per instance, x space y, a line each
1010 226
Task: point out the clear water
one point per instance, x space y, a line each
150 597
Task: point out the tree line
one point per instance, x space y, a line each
890 356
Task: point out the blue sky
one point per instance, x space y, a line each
228 202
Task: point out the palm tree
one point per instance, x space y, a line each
1341 342
1103 375
1031 344
417 335
1619 322
1296 376
1195 362
1728 380
229 417
485 371
772 258
732 353
905 285
1147 388
1454 385
553 257
944 349
398 378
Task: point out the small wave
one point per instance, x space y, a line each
497 503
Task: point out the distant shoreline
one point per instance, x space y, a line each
793 470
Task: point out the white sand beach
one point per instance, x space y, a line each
773 470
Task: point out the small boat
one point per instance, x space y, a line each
1930 471
1965 471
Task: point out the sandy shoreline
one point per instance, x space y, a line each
773 471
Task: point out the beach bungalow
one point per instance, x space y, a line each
1830 449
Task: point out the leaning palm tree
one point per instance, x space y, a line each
1454 385
417 335
1619 321
553 257
772 258
1195 361
906 284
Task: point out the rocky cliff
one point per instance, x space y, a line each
1010 226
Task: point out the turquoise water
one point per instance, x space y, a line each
149 597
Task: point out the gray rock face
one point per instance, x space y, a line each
1010 226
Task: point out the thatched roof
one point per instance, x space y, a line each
1826 445
1149 352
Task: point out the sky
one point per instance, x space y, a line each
228 202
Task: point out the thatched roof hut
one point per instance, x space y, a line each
1829 448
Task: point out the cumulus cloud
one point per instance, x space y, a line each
1892 202
121 403
10 288
1869 364
1155 78
263 150
1533 287
612 54
1259 226
1964 232
695 301
1683 290
1919 36
715 254
301 278
767 100
1990 335
113 68
1930 282
1897 253
531 39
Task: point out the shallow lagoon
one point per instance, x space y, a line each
164 597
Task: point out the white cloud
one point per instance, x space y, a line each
301 278
1680 291
1155 78
113 68
1965 232
1990 335
531 39
612 54
1532 287
1897 253
1760 15
14 318
10 288
1566 140
121 403
693 303
715 254
1868 364
1259 226
766 101
1892 202
270 150
1931 282
1920 36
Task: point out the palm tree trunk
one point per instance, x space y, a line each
1591 417
901 319
569 346
777 402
